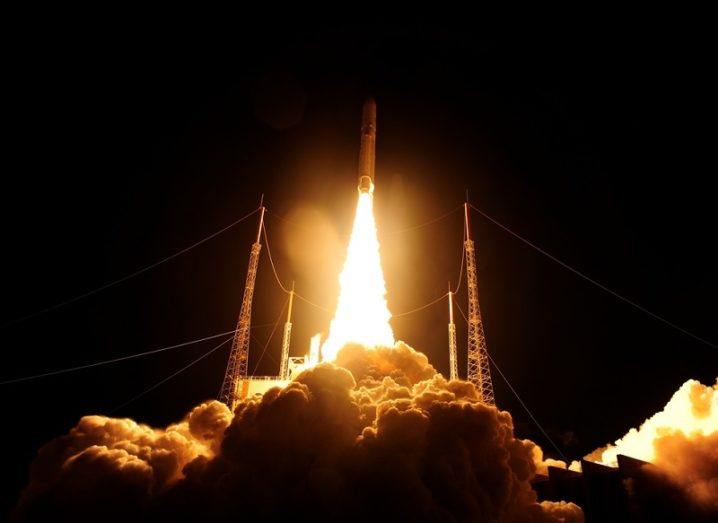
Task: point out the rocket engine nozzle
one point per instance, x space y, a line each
366 185
367 152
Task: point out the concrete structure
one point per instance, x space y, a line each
251 385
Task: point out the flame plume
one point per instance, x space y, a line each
362 315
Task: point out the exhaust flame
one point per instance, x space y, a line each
362 315
692 413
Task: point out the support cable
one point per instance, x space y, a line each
121 358
271 335
391 233
568 462
153 387
432 302
271 261
278 279
296 224
516 394
458 284
312 303
461 272
281 285
127 277
594 282
461 267
260 344
425 224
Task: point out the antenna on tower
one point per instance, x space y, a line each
479 372
236 374
284 364
453 365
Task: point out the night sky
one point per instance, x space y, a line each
125 144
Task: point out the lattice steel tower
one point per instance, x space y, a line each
453 365
479 372
236 374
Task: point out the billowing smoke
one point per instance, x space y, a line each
682 442
376 435
117 464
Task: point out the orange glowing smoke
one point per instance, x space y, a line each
692 413
362 315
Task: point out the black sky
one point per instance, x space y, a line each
126 143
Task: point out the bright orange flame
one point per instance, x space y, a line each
362 314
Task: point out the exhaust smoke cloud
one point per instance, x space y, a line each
376 435
682 442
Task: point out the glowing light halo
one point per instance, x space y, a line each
362 314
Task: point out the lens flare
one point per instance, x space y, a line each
362 315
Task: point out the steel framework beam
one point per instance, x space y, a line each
479 371
236 372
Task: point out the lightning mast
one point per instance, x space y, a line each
453 365
236 374
479 372
284 364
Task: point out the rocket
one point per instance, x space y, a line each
367 152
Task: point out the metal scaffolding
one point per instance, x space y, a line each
479 372
284 363
236 373
453 364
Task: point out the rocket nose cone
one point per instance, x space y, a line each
369 111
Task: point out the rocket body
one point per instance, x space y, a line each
367 151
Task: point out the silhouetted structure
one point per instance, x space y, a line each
478 370
635 491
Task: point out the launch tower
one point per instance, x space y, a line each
479 372
236 374
284 362
453 365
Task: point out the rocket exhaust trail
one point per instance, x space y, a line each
362 315
367 152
